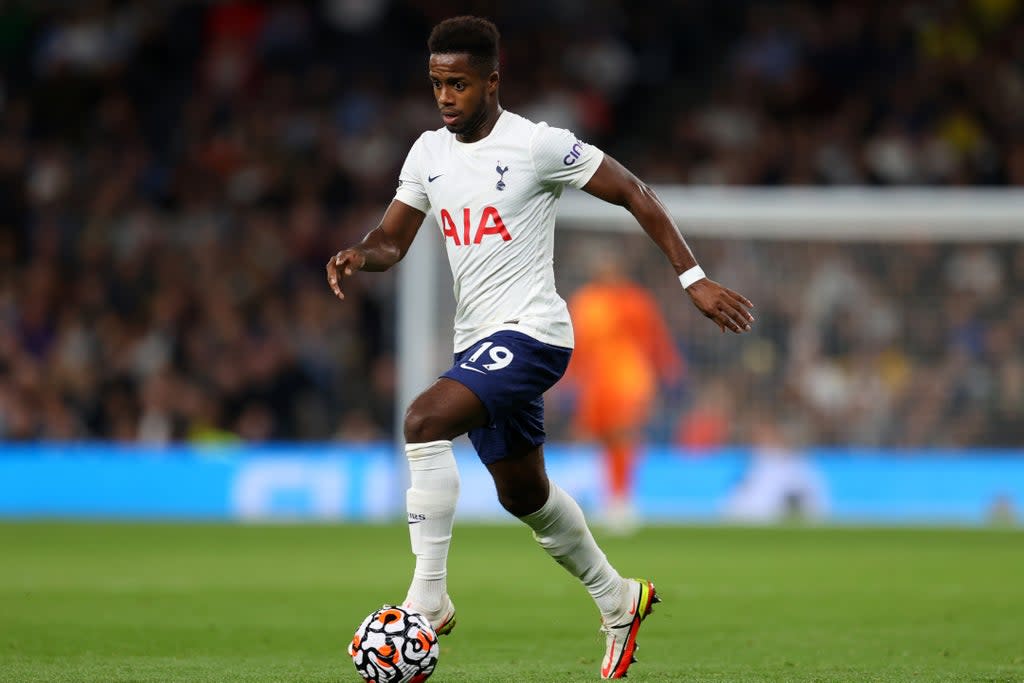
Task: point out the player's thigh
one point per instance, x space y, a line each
445 410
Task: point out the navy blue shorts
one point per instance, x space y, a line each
509 372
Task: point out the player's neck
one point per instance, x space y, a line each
487 122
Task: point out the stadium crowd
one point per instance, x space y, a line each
174 175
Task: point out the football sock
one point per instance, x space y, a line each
430 501
561 529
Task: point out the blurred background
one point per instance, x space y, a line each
174 175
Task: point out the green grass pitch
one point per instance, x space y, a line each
188 603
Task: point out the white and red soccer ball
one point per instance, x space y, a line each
394 645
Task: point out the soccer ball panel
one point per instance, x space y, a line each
394 645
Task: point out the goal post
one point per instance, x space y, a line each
844 214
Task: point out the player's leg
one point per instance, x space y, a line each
560 528
511 446
445 410
442 412
510 383
558 525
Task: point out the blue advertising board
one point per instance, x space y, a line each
366 483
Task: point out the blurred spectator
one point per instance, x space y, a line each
708 424
173 176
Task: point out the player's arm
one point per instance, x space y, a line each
383 247
613 183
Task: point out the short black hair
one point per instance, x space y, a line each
475 36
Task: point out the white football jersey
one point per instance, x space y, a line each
494 201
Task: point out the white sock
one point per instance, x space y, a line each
430 501
561 529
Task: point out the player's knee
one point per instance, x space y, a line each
421 426
514 504
522 502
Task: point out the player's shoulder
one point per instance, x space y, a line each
521 128
433 138
546 140
515 123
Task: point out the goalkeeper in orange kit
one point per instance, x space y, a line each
623 350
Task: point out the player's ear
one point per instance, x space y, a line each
492 82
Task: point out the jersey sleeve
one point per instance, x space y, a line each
560 157
410 180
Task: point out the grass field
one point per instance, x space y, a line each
163 603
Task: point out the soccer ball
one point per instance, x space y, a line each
394 645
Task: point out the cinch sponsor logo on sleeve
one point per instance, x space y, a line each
575 153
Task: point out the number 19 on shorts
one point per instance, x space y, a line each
499 356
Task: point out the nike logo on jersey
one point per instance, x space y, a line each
431 179
467 366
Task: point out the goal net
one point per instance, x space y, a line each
885 317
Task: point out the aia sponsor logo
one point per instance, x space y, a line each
473 231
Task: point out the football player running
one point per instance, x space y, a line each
492 179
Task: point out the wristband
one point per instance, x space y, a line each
691 276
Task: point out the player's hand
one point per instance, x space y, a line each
725 307
343 263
